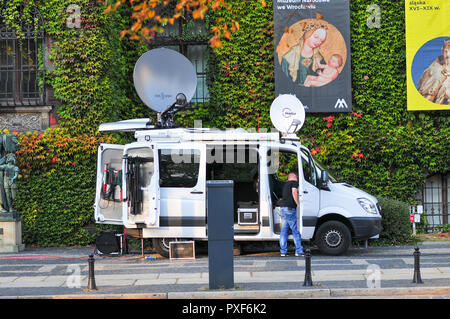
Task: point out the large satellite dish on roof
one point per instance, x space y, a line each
287 114
164 78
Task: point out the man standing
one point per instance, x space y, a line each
289 205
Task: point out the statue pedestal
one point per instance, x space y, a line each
10 234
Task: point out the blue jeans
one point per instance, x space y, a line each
289 220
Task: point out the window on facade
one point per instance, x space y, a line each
179 168
21 71
435 198
190 39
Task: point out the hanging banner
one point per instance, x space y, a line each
312 53
428 54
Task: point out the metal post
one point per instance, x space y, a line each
220 211
308 278
417 278
91 283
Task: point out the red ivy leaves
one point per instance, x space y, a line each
329 120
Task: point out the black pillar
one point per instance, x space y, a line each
220 223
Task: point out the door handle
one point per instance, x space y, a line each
196 192
305 192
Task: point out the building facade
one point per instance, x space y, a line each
27 102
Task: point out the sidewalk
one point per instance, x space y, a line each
63 273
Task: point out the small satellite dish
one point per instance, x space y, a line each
287 114
160 75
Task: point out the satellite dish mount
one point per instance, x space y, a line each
166 119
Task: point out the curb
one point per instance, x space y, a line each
262 294
311 293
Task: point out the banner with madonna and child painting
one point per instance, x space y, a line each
312 53
428 54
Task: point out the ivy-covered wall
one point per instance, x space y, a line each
380 147
90 77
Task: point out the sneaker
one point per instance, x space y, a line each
283 255
299 255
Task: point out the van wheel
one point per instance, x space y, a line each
333 238
162 245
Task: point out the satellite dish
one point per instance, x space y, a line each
160 75
287 114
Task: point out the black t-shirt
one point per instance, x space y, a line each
288 200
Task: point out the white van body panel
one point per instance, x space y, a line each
342 199
180 212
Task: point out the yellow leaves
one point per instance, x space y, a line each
215 42
123 33
111 8
216 5
144 14
136 27
118 3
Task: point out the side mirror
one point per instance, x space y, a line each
324 179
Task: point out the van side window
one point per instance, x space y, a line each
178 167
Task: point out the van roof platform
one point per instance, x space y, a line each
144 131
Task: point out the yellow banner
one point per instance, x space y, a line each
428 54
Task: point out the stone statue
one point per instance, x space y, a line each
10 175
2 189
10 223
9 172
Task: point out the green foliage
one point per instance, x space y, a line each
241 78
55 209
396 224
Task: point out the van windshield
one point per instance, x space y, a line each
323 168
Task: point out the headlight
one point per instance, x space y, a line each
367 205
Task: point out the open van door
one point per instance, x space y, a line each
311 192
141 186
108 197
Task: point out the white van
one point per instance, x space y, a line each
156 187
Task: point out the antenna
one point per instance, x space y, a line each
165 81
288 115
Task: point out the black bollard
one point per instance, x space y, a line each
308 278
91 282
417 279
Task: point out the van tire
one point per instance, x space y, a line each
333 238
161 246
